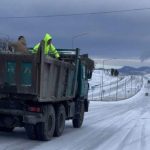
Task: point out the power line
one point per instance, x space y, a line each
76 14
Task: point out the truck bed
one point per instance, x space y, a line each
41 77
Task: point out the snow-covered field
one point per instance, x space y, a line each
115 125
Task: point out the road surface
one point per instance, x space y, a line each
123 125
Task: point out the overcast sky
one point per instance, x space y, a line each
121 35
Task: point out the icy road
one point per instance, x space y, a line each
123 125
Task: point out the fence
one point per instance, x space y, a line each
114 88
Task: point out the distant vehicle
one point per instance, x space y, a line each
39 92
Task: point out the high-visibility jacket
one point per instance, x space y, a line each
48 48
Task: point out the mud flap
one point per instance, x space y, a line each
33 119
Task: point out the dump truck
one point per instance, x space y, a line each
39 92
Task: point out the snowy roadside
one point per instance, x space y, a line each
113 88
117 125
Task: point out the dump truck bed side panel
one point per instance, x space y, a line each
18 74
56 80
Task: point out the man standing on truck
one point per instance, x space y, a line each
19 46
49 48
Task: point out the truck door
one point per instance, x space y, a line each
83 82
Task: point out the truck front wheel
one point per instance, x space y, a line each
78 118
60 120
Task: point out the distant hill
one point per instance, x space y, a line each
136 71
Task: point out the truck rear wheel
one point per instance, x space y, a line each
6 129
31 131
78 118
45 130
60 120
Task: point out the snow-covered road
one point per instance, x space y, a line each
122 125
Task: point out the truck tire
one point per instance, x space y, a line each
60 120
78 118
31 131
6 129
45 130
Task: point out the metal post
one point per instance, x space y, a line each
102 76
125 90
102 82
109 88
117 89
131 85
92 93
100 85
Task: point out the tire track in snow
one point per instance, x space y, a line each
17 140
128 138
100 135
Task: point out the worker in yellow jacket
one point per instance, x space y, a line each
49 47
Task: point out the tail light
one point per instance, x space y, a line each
34 109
